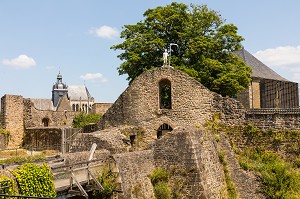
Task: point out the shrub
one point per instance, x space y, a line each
6 185
159 179
108 181
35 180
83 119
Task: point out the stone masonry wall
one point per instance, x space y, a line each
12 110
33 117
192 155
100 108
134 169
192 103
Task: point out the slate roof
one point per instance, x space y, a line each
42 104
259 69
75 92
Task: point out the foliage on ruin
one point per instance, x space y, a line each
205 46
83 119
159 179
271 154
35 180
23 159
108 181
231 189
4 132
7 186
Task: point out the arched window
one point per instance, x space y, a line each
45 122
163 129
77 107
165 94
73 107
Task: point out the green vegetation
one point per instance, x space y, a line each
35 180
83 119
4 132
108 181
231 190
279 178
159 179
7 186
23 159
205 46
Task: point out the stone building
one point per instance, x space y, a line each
78 96
159 122
267 89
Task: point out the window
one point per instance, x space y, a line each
45 122
163 129
165 94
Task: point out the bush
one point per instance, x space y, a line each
108 181
7 186
35 180
83 119
159 179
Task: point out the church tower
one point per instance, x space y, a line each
59 89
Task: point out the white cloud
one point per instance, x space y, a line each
22 61
50 67
93 76
105 32
285 58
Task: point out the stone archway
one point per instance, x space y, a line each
163 129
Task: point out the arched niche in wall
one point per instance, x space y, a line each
45 122
165 94
163 129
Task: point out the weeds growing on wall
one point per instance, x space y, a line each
35 180
159 179
108 181
231 189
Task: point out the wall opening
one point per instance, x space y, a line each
45 122
163 129
165 94
132 140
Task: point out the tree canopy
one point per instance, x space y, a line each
205 46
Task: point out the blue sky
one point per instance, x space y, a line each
40 38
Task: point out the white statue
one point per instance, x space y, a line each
165 56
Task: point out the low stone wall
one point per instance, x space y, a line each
47 138
278 119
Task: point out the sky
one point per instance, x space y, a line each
39 39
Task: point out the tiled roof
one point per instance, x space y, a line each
42 104
259 69
78 92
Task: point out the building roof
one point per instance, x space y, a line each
78 92
42 104
259 69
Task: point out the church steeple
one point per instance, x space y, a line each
59 89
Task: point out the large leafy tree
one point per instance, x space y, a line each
205 45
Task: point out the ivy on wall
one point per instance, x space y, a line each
35 180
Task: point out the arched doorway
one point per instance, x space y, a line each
163 129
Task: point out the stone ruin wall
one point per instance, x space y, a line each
100 108
33 117
12 108
196 165
192 103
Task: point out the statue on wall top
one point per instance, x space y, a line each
165 56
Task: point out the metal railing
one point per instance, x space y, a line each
274 110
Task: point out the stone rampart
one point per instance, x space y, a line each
100 108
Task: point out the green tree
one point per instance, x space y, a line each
205 45
83 119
